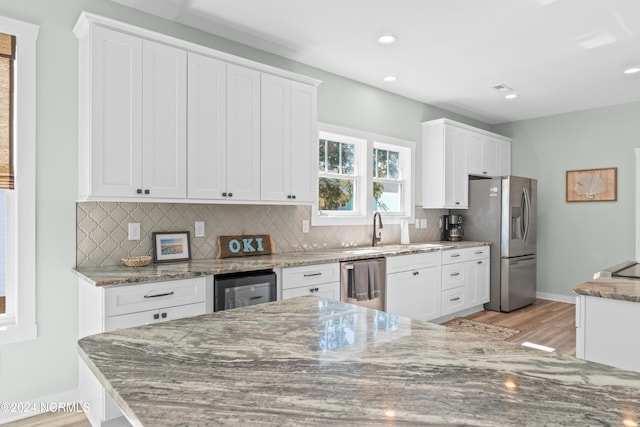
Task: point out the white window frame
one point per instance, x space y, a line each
19 321
404 179
365 191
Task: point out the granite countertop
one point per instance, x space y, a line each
120 275
606 286
311 361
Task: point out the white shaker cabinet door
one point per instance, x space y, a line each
456 179
207 127
243 133
164 121
111 157
275 132
304 142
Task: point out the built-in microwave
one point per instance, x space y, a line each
242 289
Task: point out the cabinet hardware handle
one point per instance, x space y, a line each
416 273
454 299
139 191
454 255
484 173
312 290
256 297
479 262
164 315
455 273
166 294
312 274
156 316
457 203
146 191
293 196
288 196
224 194
230 194
479 252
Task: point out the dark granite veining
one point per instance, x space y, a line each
310 361
108 276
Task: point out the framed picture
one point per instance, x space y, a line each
171 246
592 185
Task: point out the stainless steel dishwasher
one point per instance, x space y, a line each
347 283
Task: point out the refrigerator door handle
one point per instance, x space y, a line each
526 213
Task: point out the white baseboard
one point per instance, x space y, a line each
56 402
556 297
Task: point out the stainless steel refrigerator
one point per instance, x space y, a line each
503 212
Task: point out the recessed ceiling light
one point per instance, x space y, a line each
511 96
390 79
632 70
387 39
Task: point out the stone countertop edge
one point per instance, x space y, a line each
291 363
121 275
606 286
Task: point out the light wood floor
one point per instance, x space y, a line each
545 322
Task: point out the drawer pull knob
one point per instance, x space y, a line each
455 273
166 294
156 316
164 315
454 299
312 274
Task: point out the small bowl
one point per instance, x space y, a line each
136 261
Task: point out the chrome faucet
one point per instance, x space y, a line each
377 234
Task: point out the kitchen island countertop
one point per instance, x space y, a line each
608 286
312 361
120 275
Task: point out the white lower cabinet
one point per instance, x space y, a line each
105 309
318 279
413 285
599 335
465 278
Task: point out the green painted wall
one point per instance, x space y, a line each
579 238
47 366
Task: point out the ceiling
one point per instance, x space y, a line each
557 55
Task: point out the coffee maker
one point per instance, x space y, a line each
452 228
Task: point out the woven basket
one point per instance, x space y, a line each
136 261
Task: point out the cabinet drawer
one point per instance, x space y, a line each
295 277
452 300
153 316
324 290
454 275
399 263
426 260
454 255
478 253
151 296
413 262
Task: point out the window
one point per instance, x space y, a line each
360 173
17 201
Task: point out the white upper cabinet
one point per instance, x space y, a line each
110 109
135 98
452 151
289 161
162 118
444 166
243 134
207 127
164 121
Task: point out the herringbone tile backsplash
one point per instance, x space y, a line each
102 228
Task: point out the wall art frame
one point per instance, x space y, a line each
171 246
592 185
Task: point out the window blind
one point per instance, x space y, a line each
7 56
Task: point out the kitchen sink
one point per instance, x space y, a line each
364 251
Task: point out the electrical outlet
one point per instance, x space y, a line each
134 231
423 223
199 226
305 225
